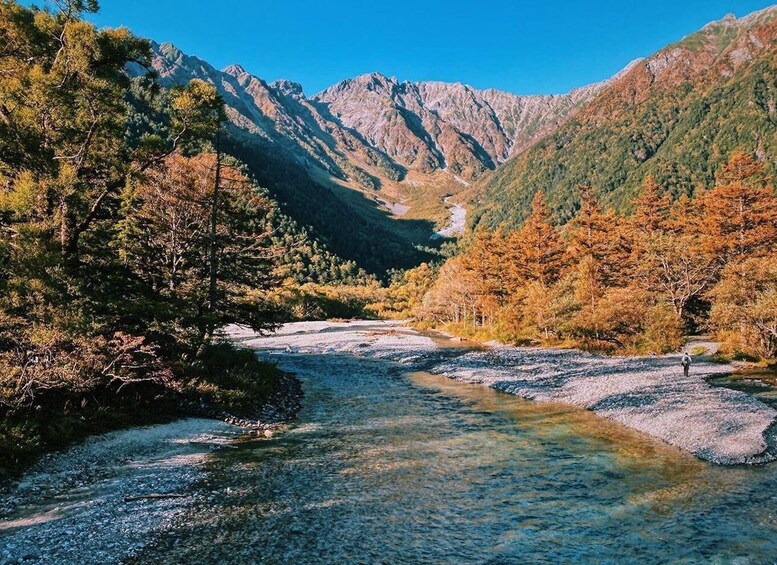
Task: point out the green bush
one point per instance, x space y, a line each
230 378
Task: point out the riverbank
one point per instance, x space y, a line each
648 394
130 484
227 384
86 504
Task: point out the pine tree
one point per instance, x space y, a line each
740 213
537 252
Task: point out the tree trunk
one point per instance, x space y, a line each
213 251
68 236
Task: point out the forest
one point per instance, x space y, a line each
127 239
626 284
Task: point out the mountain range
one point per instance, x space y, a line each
372 129
371 163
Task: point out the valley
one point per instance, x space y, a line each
391 141
386 141
400 319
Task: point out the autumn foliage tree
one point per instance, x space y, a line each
490 281
537 251
630 283
669 257
117 259
165 239
740 213
744 310
740 234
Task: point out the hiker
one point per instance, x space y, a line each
686 362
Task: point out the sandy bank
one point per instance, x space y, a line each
649 394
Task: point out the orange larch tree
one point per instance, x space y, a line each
668 256
537 252
485 262
603 238
740 213
651 208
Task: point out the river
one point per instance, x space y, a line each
385 466
395 468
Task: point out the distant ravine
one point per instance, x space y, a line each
456 224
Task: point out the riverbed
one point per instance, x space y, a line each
457 222
390 463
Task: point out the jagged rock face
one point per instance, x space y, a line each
372 128
391 127
281 115
437 125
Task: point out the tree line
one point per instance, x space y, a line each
633 283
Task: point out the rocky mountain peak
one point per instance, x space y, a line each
373 82
174 66
167 49
288 88
234 70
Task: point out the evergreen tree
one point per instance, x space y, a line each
537 250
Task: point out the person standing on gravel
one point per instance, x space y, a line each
686 362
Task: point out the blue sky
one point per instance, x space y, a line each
524 47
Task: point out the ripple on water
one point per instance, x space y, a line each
385 467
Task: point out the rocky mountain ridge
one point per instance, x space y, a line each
372 129
434 126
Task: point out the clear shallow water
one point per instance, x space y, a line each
384 467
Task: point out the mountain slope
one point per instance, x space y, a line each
307 163
433 126
367 164
676 115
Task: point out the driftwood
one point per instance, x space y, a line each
152 497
